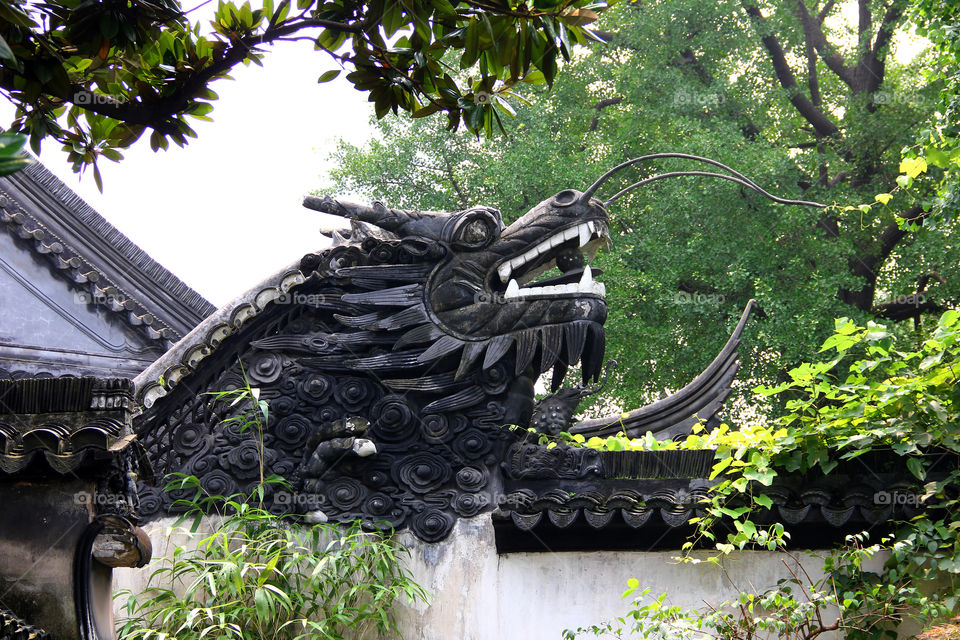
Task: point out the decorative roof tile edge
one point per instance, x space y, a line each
99 288
64 258
64 394
67 421
183 357
14 628
137 257
837 507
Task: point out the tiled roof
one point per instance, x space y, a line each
42 211
64 422
580 499
13 628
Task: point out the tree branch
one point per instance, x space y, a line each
824 11
159 115
600 106
869 260
813 32
821 123
461 194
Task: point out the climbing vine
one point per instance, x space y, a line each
868 394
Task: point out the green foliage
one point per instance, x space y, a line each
12 158
868 395
684 75
939 20
97 75
259 575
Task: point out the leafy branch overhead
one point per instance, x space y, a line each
97 75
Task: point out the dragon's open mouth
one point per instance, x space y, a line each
570 250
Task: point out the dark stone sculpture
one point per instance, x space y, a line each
411 338
392 361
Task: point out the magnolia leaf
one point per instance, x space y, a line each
327 76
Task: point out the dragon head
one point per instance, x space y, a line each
473 309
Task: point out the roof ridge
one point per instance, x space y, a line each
99 225
66 257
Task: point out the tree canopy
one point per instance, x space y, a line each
804 100
96 75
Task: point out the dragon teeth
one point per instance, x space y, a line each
586 285
585 234
586 282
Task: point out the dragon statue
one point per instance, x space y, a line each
392 360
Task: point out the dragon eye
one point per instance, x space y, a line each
476 230
565 198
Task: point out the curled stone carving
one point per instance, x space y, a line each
355 394
472 444
233 432
472 478
422 472
376 477
315 389
242 460
266 368
468 505
394 420
432 525
346 494
292 432
495 379
190 438
436 428
150 502
283 405
328 414
378 505
218 483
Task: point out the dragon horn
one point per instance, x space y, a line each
735 176
592 189
378 215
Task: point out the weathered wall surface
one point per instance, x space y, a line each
479 595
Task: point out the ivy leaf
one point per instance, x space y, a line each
916 467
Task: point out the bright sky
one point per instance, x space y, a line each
224 212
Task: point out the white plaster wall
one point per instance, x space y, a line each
478 595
